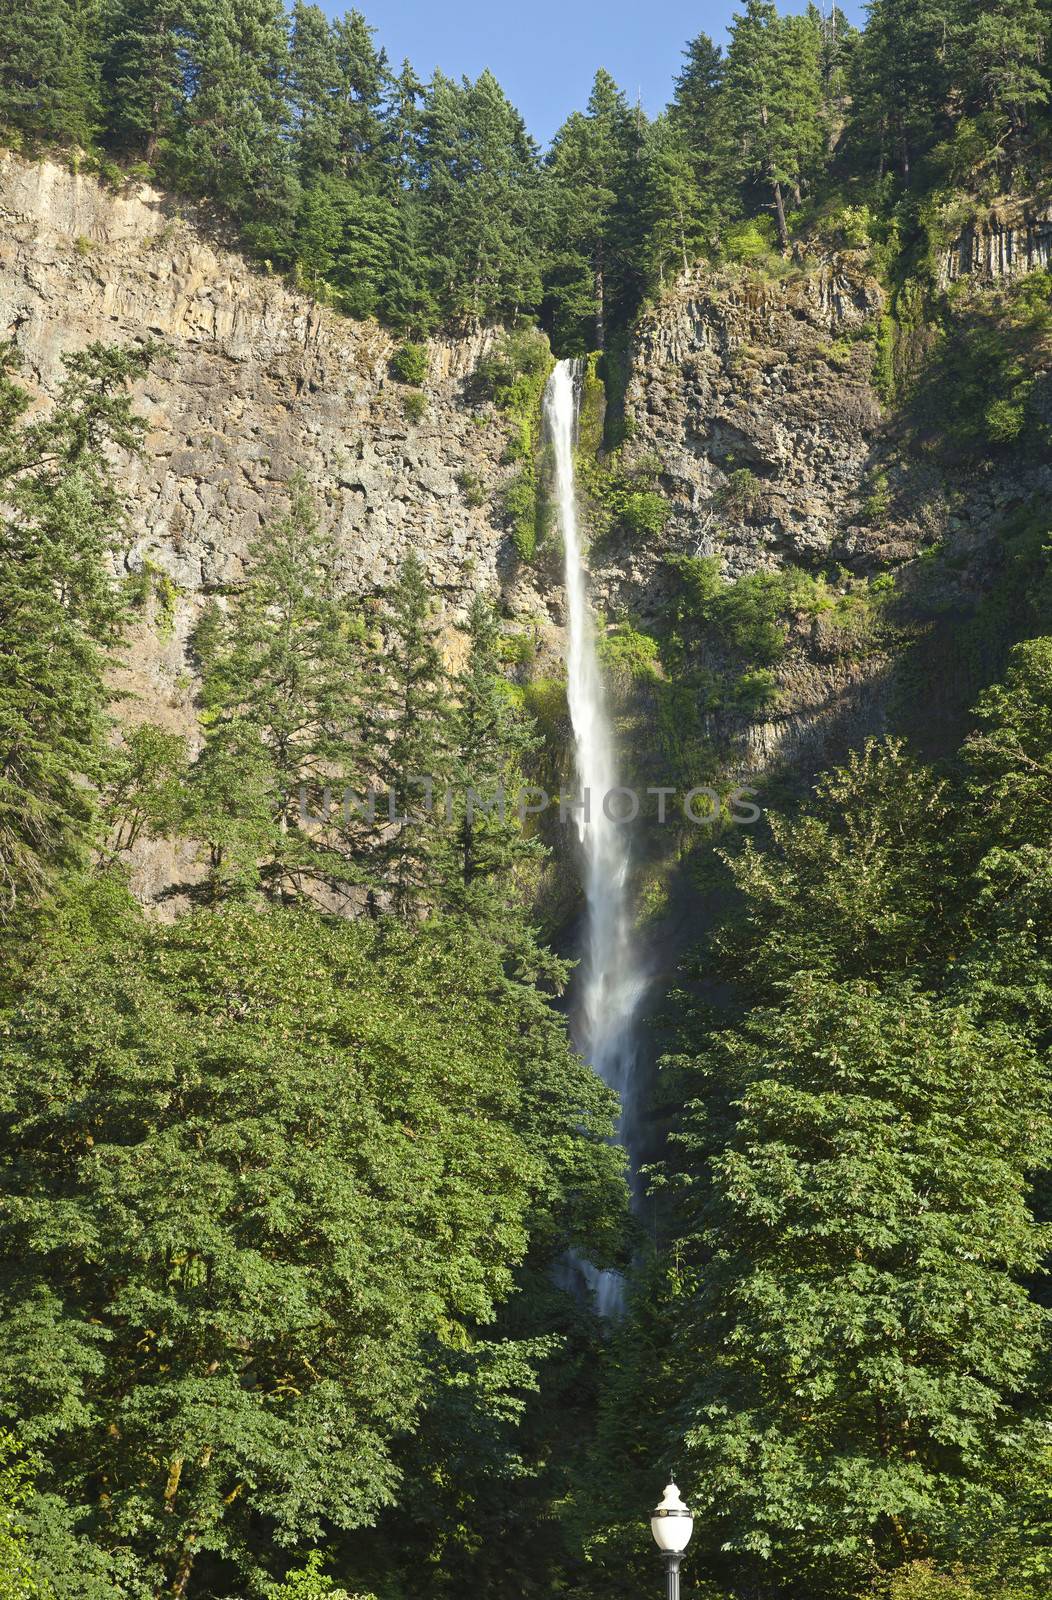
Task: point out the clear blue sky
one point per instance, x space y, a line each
545 52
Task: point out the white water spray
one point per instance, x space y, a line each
611 982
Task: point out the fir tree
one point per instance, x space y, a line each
772 102
60 609
588 168
405 737
49 70
478 171
280 695
143 77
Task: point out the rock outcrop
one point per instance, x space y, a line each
1007 241
260 383
755 397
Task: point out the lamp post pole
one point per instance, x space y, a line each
672 1526
672 1561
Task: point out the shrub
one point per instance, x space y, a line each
749 615
754 691
1005 421
513 376
415 407
752 240
877 502
472 488
519 503
629 653
409 363
644 512
742 494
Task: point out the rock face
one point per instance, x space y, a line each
773 379
1009 241
755 397
261 383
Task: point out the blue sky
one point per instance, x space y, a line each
545 52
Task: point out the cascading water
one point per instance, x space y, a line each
611 982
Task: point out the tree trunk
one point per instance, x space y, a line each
600 307
779 211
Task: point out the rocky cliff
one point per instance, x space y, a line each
729 375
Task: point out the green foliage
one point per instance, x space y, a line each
519 501
60 609
409 363
825 1434
629 653
152 585
513 375
472 488
280 690
742 495
145 792
772 100
973 396
414 405
624 495
252 1162
751 241
18 1570
310 1583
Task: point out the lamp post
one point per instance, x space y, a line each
672 1526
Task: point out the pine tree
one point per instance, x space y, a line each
405 739
863 884
772 100
144 88
60 609
337 80
677 219
281 681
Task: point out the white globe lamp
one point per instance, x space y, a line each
672 1526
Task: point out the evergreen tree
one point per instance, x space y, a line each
337 79
588 168
678 220
1005 49
60 609
478 171
405 728
865 883
695 104
143 79
901 78
1007 970
49 70
487 872
232 142
772 100
280 696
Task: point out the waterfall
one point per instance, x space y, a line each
610 980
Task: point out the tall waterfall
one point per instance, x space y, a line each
611 982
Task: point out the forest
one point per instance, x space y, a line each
289 1182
